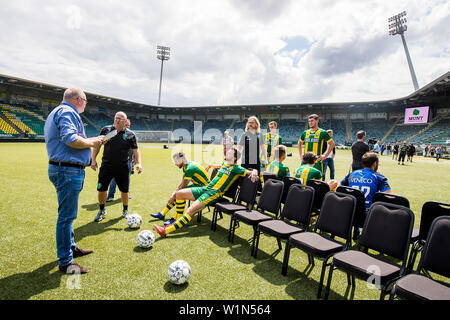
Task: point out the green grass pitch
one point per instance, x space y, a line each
119 269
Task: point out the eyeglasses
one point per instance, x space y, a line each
85 100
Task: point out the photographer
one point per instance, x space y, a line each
358 149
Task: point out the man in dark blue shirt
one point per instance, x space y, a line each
368 180
69 153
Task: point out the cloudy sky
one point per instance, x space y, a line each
226 52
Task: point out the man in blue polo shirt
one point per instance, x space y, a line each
69 153
368 180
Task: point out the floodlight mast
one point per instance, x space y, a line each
163 53
397 25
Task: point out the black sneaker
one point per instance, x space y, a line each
100 215
125 213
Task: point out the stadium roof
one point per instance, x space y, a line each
435 94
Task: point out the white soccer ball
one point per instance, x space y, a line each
179 272
134 221
145 239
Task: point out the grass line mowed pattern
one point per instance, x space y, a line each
119 269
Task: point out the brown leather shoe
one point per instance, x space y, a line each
78 252
73 268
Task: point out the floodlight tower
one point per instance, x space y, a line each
163 53
397 25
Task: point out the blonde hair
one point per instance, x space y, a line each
258 125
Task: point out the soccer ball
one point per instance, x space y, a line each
145 239
179 272
134 221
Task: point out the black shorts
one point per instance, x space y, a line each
120 174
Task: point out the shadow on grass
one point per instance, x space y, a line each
94 206
169 287
95 228
138 249
23 286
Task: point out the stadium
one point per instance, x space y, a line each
221 254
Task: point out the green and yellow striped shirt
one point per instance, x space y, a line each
306 172
226 176
196 174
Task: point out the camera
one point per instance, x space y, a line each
372 141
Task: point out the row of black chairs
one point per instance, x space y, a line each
339 212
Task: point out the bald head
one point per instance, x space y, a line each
73 93
120 120
76 97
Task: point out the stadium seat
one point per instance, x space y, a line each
293 219
269 202
388 231
390 198
335 220
435 258
247 195
430 211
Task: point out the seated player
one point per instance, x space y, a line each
194 175
277 165
368 180
307 170
210 194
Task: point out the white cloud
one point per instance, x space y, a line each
226 52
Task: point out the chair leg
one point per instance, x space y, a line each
279 244
287 252
327 289
230 230
255 250
322 275
213 218
199 216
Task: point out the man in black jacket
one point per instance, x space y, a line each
358 149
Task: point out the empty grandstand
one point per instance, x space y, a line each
24 105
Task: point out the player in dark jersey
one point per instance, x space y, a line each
115 162
203 196
402 155
194 175
368 180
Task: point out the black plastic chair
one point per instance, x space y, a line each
335 220
435 258
269 202
247 195
293 219
361 211
288 182
390 198
321 188
430 211
388 231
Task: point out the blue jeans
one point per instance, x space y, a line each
328 162
68 182
113 184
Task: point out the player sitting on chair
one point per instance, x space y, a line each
210 194
307 170
277 166
194 175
